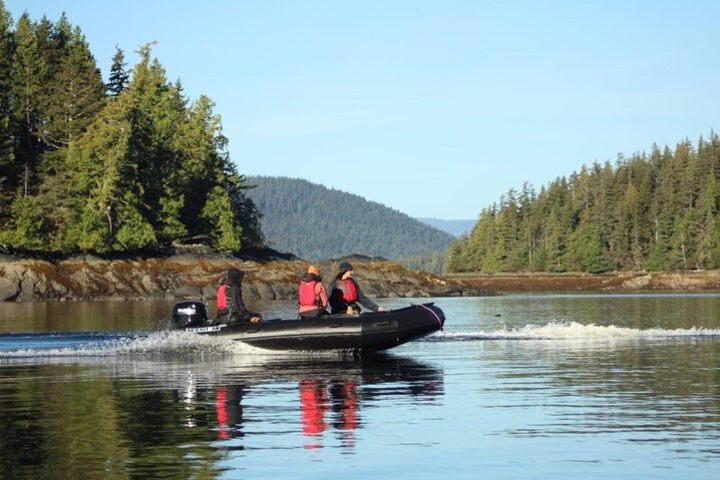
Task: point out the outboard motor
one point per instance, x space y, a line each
190 315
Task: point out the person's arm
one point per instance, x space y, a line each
323 294
365 301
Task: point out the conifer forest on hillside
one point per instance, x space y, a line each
315 222
653 211
90 166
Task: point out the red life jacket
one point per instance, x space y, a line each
350 293
307 296
222 297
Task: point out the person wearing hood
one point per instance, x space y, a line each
312 296
231 307
346 293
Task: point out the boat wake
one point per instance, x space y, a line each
170 344
165 343
572 331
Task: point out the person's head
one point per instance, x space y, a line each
234 275
345 270
313 270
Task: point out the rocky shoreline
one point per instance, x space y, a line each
577 282
196 272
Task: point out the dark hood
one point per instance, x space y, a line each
234 276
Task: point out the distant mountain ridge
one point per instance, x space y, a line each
453 227
315 222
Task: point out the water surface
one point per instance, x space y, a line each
526 386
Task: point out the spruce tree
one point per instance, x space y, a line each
223 229
707 229
118 80
7 157
28 73
105 171
76 92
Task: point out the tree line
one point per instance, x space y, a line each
121 166
653 211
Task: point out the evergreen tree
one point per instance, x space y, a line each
247 215
76 92
7 157
105 170
707 225
28 74
585 251
29 224
224 231
119 76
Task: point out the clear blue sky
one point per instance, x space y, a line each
434 108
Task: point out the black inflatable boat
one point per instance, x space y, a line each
372 331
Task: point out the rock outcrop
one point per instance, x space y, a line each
196 274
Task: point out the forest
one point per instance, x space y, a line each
122 165
315 222
655 211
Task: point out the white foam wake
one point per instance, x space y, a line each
574 330
165 343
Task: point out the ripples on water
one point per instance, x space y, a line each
516 387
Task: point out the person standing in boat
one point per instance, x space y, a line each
346 293
230 305
312 296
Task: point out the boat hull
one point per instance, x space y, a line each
373 331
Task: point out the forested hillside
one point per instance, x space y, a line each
315 222
654 211
107 167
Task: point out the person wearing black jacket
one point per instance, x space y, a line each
233 308
346 293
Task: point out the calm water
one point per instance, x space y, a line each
543 386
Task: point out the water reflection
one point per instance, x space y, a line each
179 420
329 394
228 409
340 397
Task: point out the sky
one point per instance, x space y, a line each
434 108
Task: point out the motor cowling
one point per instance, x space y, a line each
190 315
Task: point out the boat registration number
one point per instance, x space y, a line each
214 328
